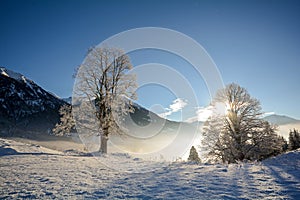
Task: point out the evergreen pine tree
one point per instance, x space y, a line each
284 145
297 139
291 141
294 140
194 157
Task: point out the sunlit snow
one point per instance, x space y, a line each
32 171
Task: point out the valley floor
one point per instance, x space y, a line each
32 171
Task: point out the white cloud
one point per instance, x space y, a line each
202 114
177 105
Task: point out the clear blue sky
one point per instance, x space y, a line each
253 43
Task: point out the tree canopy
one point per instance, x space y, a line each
104 88
239 133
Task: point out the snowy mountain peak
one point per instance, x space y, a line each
14 75
3 72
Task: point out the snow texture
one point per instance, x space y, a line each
33 171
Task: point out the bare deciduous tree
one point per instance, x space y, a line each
240 133
102 83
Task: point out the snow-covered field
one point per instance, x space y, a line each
33 171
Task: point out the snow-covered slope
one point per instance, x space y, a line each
30 171
25 106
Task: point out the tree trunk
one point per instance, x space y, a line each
103 147
104 139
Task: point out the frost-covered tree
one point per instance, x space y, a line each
294 140
239 133
103 91
194 157
67 124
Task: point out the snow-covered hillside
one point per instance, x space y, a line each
32 171
25 106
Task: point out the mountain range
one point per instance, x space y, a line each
27 108
281 119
